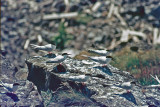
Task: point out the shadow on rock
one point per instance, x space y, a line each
104 69
50 55
60 69
129 96
13 96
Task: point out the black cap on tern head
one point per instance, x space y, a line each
110 57
65 54
133 82
16 84
93 45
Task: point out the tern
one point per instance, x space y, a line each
10 87
58 59
99 52
100 59
79 78
48 47
126 85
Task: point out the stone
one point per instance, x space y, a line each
98 89
25 95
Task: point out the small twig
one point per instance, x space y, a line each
152 86
39 37
124 36
67 5
119 16
110 11
155 36
66 2
126 33
45 3
156 78
26 44
96 6
137 33
57 89
59 16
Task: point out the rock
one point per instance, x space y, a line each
98 89
91 35
25 95
154 13
22 74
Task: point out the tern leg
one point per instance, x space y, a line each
49 52
60 64
104 65
57 69
128 91
83 83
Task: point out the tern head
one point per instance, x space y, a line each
107 50
53 45
110 57
16 84
65 54
93 45
133 82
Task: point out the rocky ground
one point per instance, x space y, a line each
73 83
107 24
26 94
23 22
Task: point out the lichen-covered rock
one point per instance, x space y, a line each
69 79
25 95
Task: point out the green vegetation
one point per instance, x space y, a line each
63 37
141 64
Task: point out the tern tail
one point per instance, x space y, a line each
2 84
34 46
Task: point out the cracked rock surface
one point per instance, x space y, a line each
99 89
26 94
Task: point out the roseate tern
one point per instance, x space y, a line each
100 59
58 59
126 85
48 47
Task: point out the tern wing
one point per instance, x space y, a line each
98 59
14 88
108 60
99 52
36 47
2 84
126 84
80 78
49 47
7 86
56 59
53 47
93 58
